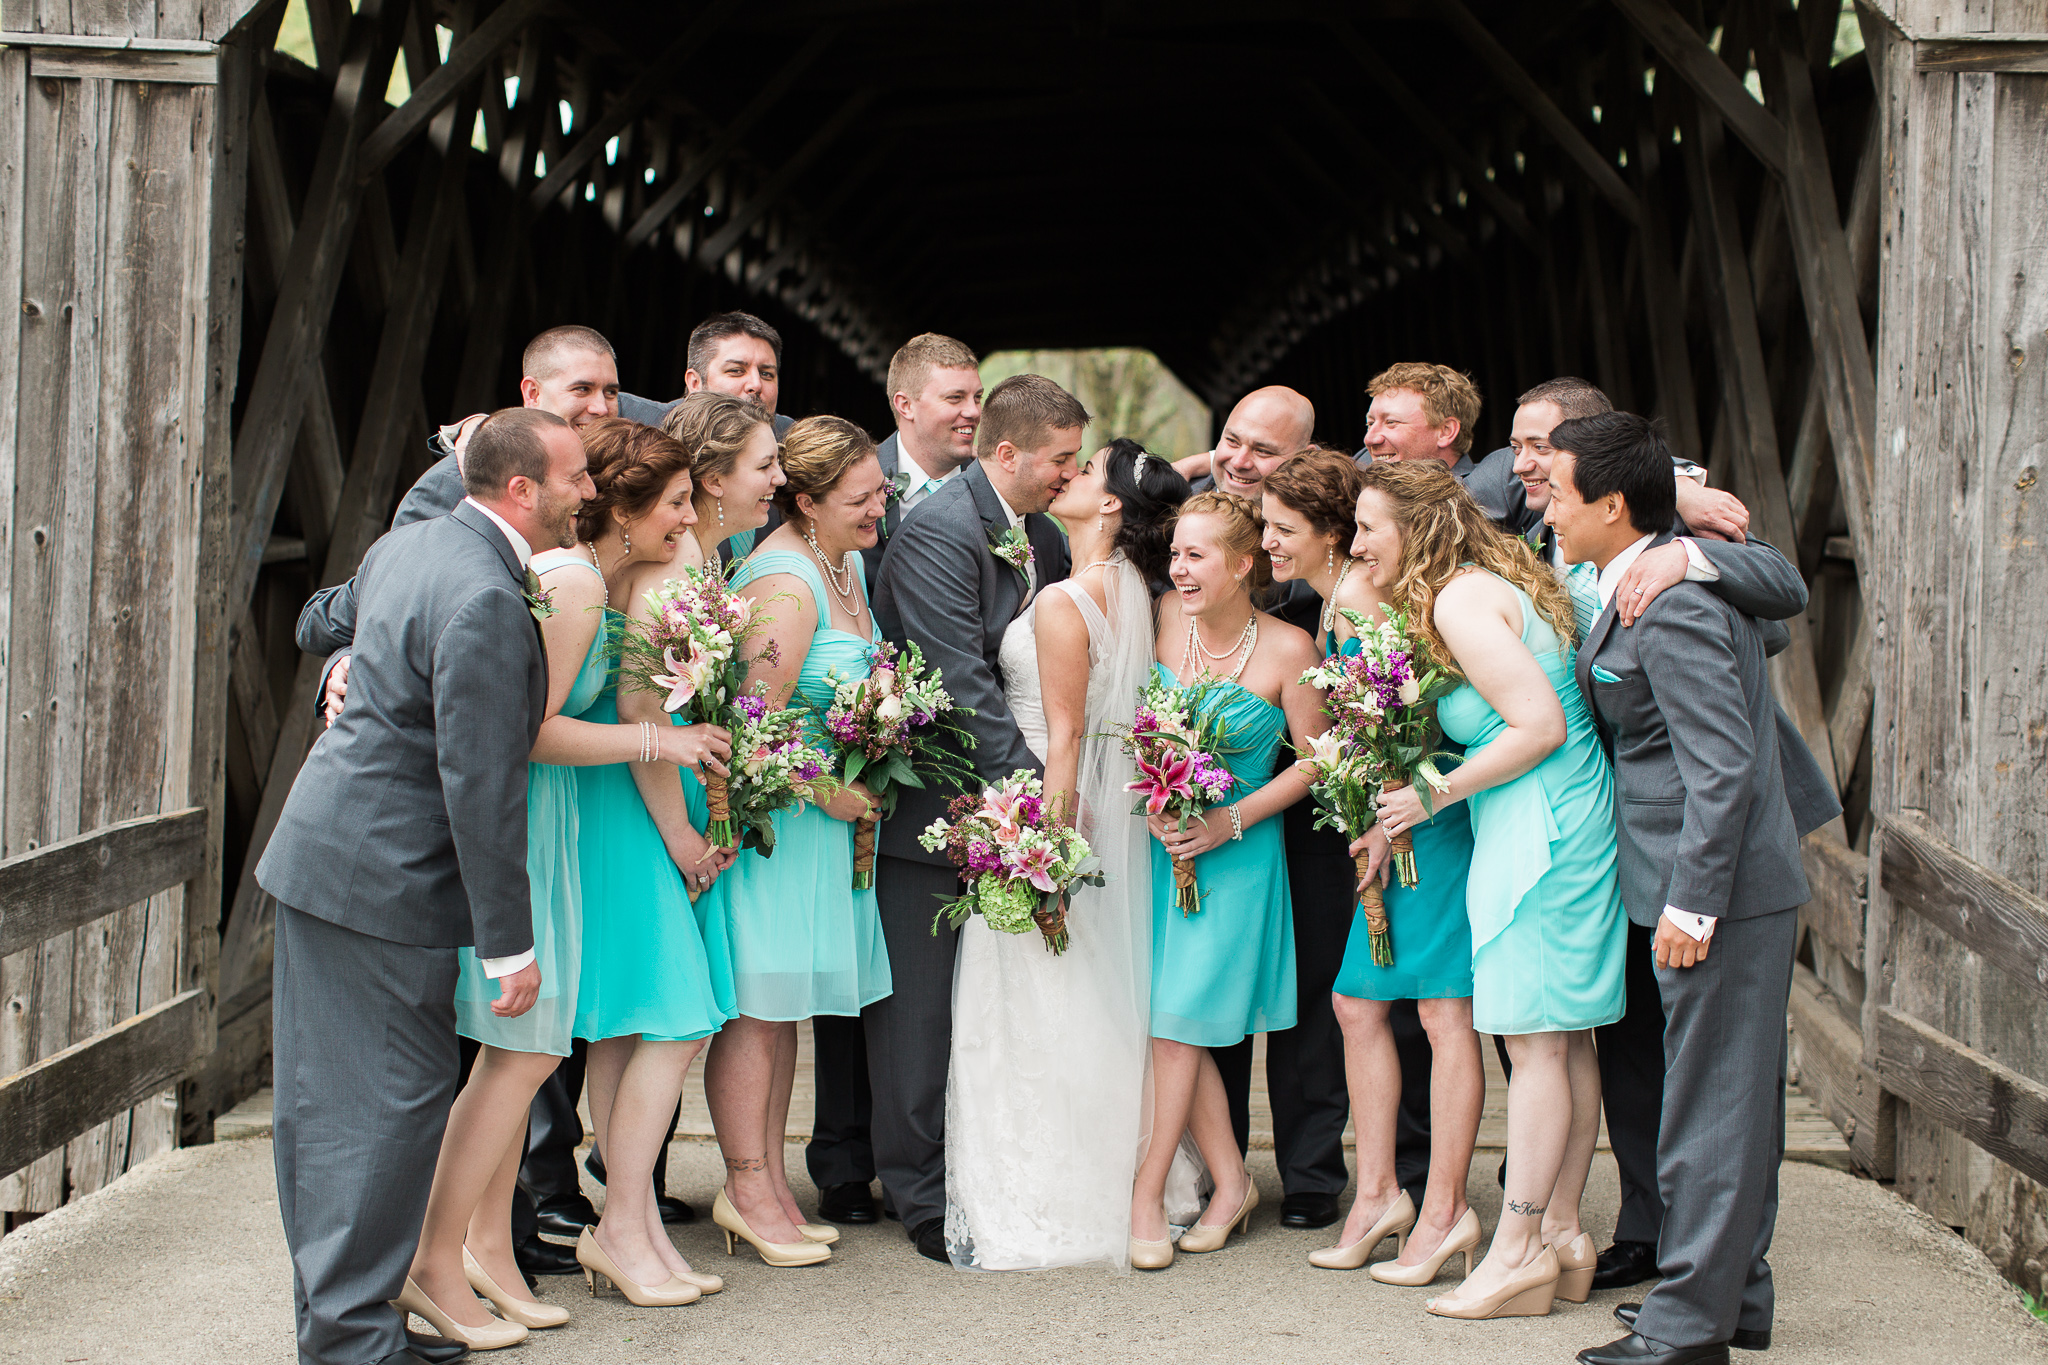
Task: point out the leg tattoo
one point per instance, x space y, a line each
1526 1208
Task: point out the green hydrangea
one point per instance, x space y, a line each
1007 903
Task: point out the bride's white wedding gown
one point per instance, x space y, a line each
1046 1101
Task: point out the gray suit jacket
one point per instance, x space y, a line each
1683 702
408 820
942 586
649 412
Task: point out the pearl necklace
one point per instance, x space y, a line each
845 571
598 565
1247 641
1330 606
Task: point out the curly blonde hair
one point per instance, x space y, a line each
1242 531
1442 530
713 428
816 454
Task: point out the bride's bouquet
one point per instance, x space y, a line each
773 769
691 652
1382 737
1178 748
896 728
1017 857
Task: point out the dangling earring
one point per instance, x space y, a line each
1099 521
627 532
720 505
1330 557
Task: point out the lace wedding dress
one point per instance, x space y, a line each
1047 1101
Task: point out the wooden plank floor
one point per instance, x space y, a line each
1808 1134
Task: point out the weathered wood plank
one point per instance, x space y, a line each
1839 878
1827 1064
93 1080
1697 65
1992 1105
74 881
171 67
2017 53
465 60
2001 922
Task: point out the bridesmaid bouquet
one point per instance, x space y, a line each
691 652
772 769
896 728
1017 857
1180 764
1382 737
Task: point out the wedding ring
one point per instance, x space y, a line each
1639 592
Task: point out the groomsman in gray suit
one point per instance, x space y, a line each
935 392
735 353
403 838
1709 859
942 587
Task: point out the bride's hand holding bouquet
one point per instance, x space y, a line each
1017 856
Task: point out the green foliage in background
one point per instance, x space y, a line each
1127 391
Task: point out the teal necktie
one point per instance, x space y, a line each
1584 583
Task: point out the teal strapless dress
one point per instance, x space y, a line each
804 942
552 870
1432 938
1228 970
1549 937
653 964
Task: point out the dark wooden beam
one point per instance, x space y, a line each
2003 923
466 58
771 191
728 139
1691 60
1959 1087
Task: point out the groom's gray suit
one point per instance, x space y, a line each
403 838
1704 823
942 587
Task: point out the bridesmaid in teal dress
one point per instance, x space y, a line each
1309 505
1548 932
1227 970
804 942
653 986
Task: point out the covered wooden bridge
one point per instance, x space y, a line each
1809 237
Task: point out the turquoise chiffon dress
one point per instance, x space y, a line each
1228 970
1549 937
653 963
804 942
552 870
1432 938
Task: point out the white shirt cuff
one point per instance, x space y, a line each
1698 568
495 967
1698 928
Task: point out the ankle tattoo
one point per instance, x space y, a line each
1526 1208
746 1163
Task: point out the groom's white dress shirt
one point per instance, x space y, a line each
1030 565
495 967
1697 927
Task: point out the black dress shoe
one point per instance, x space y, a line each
565 1216
1745 1338
538 1256
674 1210
407 1357
1308 1210
1624 1264
1635 1350
930 1237
432 1349
853 1202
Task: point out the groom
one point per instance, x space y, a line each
943 587
1709 858
403 838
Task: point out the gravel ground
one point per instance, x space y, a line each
184 1261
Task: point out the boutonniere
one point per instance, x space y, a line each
896 489
1014 550
540 601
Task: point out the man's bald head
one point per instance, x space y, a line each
1267 427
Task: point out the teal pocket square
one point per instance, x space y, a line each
1602 675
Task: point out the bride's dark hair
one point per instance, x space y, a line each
1151 490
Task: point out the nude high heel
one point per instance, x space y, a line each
1463 1237
1527 1294
819 1233
774 1253
1151 1255
671 1293
1396 1222
707 1285
532 1316
1212 1236
1575 1262
492 1337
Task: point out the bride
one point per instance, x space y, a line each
1042 1137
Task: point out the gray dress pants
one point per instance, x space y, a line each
1723 1133
364 1066
910 1038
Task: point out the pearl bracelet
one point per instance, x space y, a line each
1236 824
650 747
